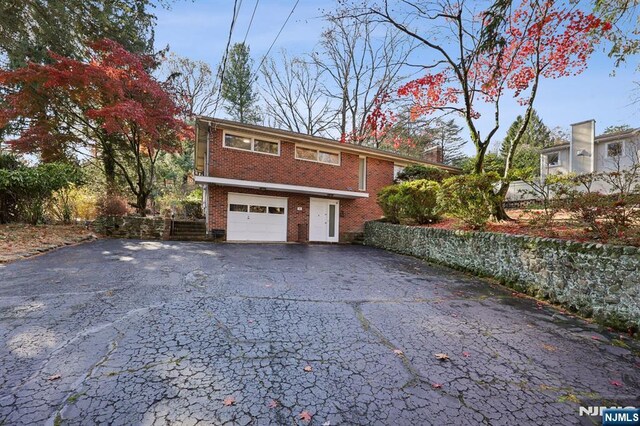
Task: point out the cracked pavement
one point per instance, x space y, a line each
163 332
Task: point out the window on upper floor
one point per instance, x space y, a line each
614 149
362 173
317 155
250 144
553 159
396 170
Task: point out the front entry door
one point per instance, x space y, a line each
323 220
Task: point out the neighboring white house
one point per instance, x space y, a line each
586 153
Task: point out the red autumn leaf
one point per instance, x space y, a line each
305 416
466 354
308 368
595 338
273 404
616 383
228 401
436 385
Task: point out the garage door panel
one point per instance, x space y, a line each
256 218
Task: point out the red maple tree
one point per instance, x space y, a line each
109 106
538 39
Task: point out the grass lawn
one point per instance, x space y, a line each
18 240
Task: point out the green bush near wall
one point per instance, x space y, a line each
596 280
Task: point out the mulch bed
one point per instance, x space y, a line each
561 229
18 241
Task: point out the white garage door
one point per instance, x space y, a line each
256 218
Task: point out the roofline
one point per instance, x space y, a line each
322 142
583 122
612 136
558 147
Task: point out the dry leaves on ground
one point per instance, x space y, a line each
19 240
228 401
442 357
305 416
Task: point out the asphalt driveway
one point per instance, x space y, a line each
131 332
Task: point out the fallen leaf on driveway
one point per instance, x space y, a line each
308 368
228 401
466 354
616 383
436 385
549 348
305 416
595 338
398 352
273 404
54 377
442 357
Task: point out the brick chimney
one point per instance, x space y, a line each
434 154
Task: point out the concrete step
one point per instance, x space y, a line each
189 229
190 238
189 233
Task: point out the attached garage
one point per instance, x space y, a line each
256 218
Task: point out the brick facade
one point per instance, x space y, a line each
286 169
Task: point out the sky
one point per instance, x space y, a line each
198 29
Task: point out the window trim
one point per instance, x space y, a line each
318 150
558 164
362 174
621 143
253 139
395 175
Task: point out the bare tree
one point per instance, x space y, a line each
292 94
193 85
362 61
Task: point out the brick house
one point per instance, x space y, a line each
265 184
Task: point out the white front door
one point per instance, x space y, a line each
323 220
256 218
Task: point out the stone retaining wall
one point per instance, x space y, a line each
597 280
148 228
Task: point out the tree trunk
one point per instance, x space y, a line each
109 173
141 203
479 162
500 213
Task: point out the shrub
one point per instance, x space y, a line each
420 172
112 205
31 188
418 200
469 198
389 200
